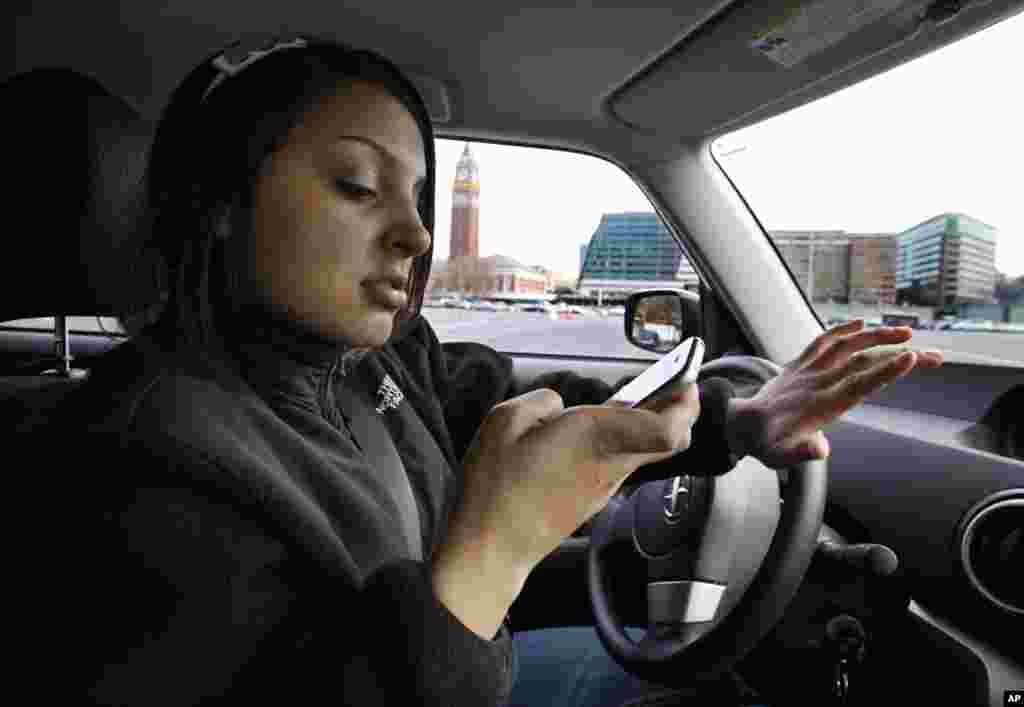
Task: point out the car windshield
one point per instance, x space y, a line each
896 200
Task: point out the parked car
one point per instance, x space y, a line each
647 336
911 320
542 307
977 325
489 306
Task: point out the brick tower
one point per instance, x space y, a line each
466 208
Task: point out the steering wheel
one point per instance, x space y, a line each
714 586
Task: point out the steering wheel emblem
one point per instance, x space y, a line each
673 512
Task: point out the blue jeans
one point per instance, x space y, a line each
569 667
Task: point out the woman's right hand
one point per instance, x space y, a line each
535 472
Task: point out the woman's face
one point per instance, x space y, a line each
334 220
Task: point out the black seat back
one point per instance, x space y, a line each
75 219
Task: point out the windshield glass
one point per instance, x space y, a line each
897 200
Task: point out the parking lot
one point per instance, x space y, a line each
593 335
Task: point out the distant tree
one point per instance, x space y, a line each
1008 289
917 295
465 274
438 279
480 275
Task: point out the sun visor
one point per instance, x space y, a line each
755 59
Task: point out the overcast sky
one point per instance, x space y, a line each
941 134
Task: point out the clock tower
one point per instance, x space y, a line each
466 208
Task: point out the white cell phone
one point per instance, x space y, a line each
680 365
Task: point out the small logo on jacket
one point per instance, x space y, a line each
388 395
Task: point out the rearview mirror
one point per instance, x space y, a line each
658 320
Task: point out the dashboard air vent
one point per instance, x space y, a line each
992 550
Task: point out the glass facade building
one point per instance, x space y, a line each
949 259
634 251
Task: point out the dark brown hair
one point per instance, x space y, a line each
205 158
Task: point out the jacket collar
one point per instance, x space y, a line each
273 355
270 354
280 357
256 334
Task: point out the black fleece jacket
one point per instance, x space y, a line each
223 536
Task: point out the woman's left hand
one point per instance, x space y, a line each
780 425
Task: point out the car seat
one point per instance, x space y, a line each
74 224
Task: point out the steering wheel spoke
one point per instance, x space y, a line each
683 601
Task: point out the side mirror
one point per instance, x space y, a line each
658 320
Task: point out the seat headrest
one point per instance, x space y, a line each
74 221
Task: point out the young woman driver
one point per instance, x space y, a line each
315 499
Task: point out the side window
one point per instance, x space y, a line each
535 251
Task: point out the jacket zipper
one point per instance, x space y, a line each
339 422
327 407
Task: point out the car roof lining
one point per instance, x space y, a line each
549 73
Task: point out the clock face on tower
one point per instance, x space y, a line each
466 171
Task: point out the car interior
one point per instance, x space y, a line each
906 542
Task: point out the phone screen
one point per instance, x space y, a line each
680 364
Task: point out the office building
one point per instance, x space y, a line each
633 251
836 266
820 261
947 260
873 268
